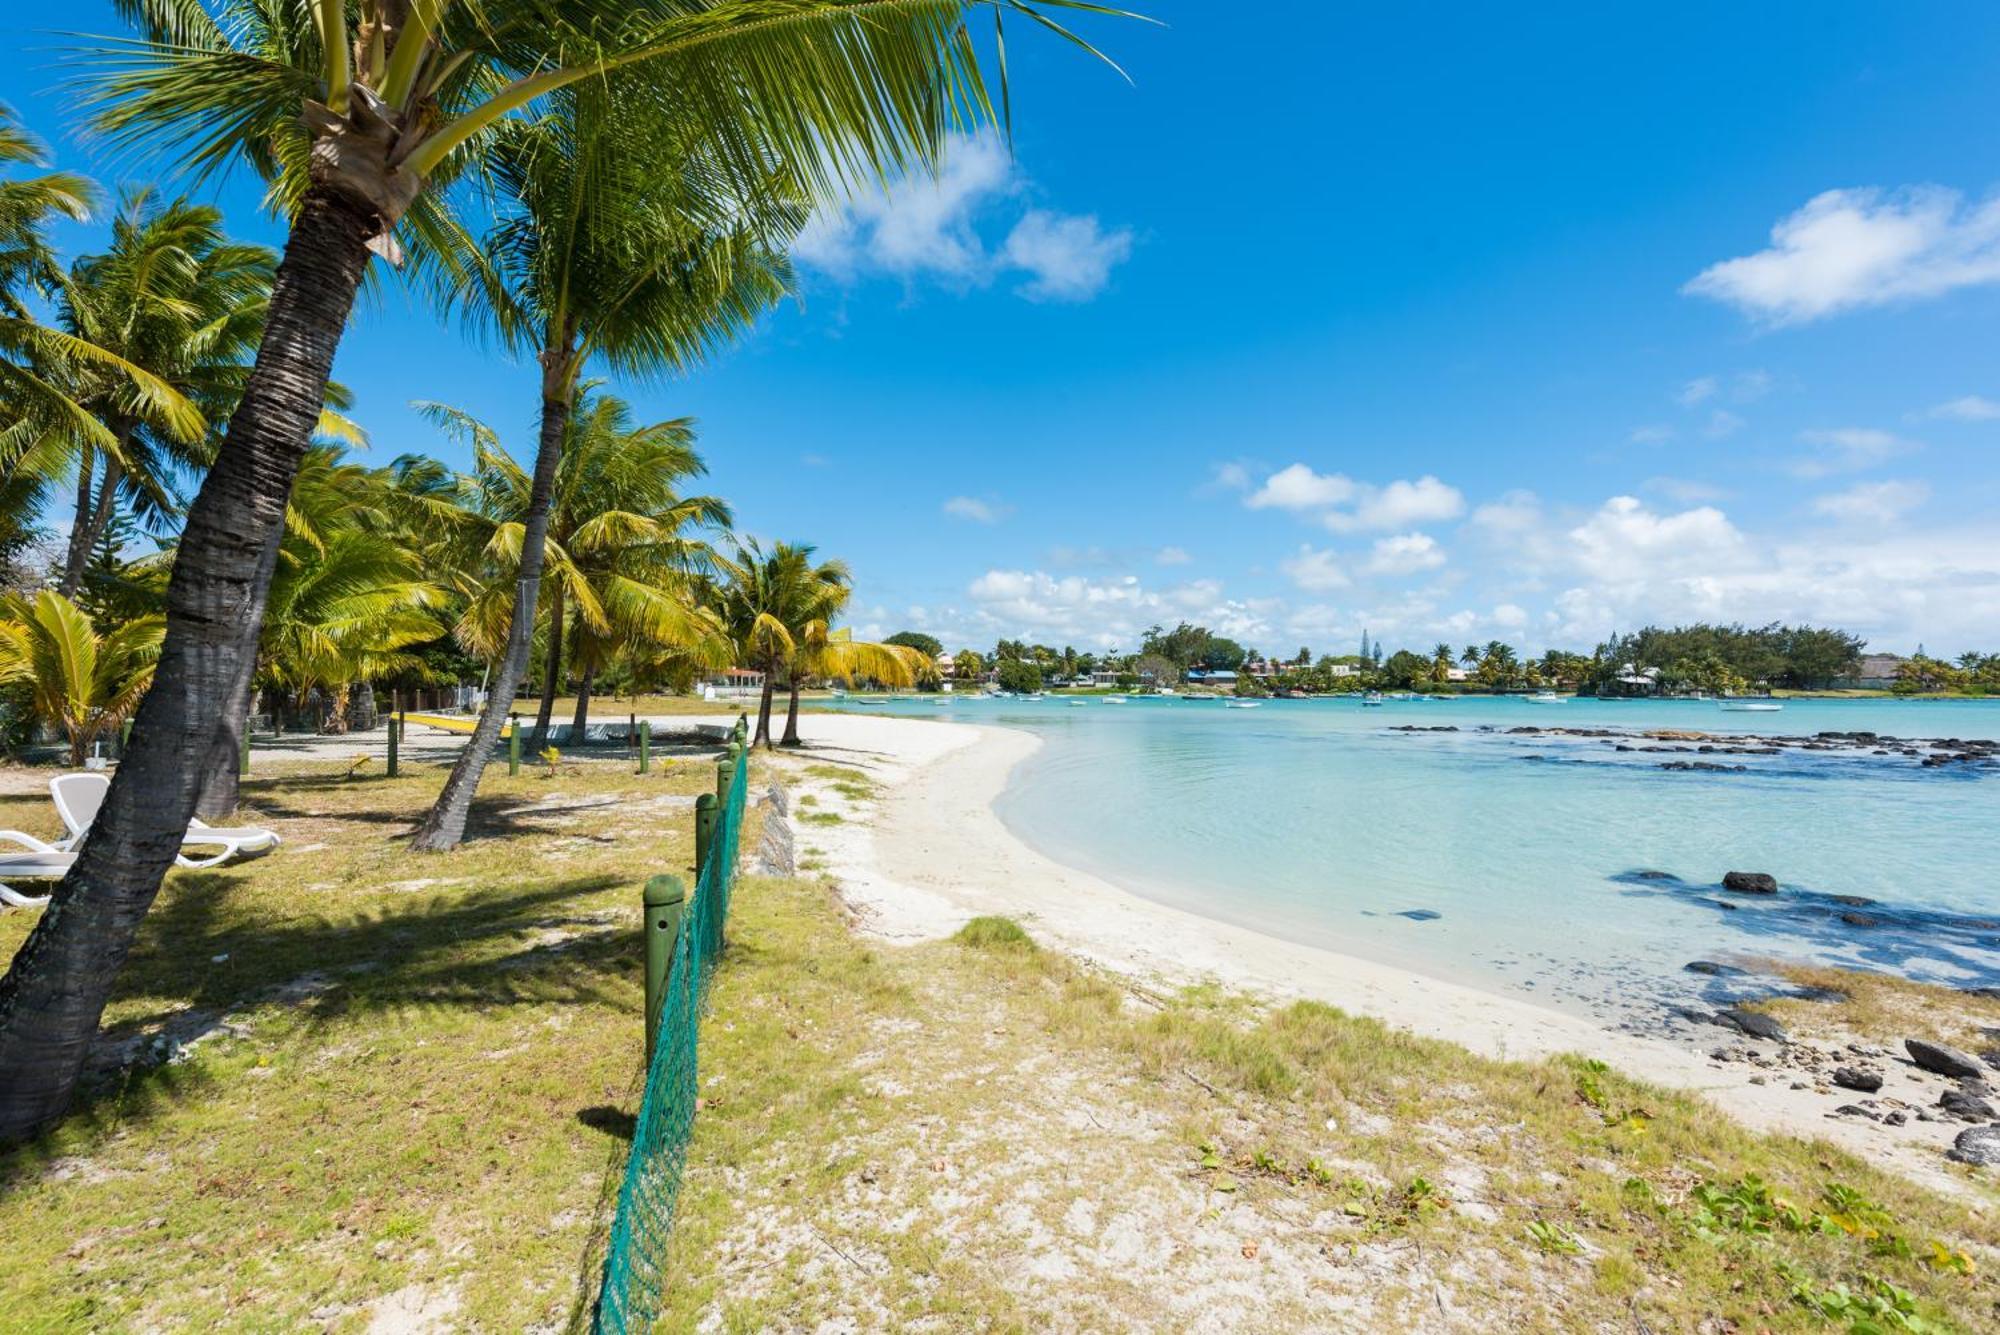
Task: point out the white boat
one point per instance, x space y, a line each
1752 706
1078 704
1241 704
1372 698
1546 698
1114 699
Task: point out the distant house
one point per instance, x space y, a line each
1634 680
1875 672
1456 674
734 682
1104 677
1219 677
1346 670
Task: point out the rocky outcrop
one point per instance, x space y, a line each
1976 1145
776 854
1941 1059
1750 882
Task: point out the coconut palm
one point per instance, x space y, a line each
823 651
175 297
634 259
84 682
620 543
41 363
767 599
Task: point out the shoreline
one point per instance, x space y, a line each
931 853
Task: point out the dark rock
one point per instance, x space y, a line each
1976 1145
1855 1110
1852 901
1649 874
1712 969
1853 919
1848 1077
1419 915
1991 1056
1990 993
1750 882
1940 1059
1754 1023
1832 996
1966 1107
1894 1119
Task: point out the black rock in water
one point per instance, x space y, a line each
1712 969
1649 874
1419 915
1941 1059
1754 1023
1848 1077
1976 1145
1750 882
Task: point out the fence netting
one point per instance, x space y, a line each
635 1260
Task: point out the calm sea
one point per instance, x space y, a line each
1320 821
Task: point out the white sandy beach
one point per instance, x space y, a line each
931 854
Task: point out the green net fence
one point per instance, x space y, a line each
635 1260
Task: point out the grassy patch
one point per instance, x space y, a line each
991 933
822 817
1882 1008
360 1069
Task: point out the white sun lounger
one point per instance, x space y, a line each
34 861
78 797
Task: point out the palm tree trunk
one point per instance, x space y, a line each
763 737
221 768
444 827
93 519
55 991
551 674
79 526
791 737
582 706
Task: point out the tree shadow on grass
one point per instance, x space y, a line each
475 949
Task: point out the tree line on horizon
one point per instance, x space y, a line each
601 189
1713 659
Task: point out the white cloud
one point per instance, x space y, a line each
1315 569
1685 491
1873 502
1971 408
976 510
1722 423
1510 615
1626 539
1106 612
1297 487
1847 449
1405 554
1653 434
1698 390
1172 556
1424 501
1067 258
928 227
1232 477
1866 247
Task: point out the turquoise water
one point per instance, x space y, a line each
1317 821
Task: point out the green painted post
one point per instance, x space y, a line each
706 810
663 897
631 733
513 746
395 735
645 747
725 771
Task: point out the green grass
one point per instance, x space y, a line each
401 1083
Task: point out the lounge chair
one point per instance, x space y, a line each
78 797
36 861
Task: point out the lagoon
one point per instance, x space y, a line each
1330 824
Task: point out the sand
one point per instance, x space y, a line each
931 853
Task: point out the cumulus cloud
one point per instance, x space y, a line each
1106 612
1348 506
1698 390
1405 554
1066 258
973 509
924 227
1172 556
1297 487
1868 247
1847 449
1970 408
1873 502
1314 569
1652 434
1625 538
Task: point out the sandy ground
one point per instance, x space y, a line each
931 853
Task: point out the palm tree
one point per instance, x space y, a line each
598 252
84 682
617 543
1441 664
355 130
770 602
174 296
1469 658
40 364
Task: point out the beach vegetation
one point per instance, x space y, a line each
82 679
993 933
1019 676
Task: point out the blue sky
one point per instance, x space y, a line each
1446 321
